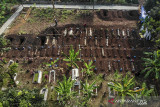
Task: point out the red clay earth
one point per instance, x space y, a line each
121 51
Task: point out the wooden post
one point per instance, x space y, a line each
118 33
128 32
123 33
90 32
54 41
109 66
133 68
47 40
65 32
58 50
85 41
103 52
86 32
107 42
96 41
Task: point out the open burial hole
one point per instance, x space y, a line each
133 13
43 39
10 39
105 12
22 40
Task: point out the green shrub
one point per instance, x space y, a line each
3 42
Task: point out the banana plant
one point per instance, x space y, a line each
124 88
152 65
72 58
145 92
88 68
87 91
64 90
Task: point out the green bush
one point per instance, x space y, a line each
4 12
3 42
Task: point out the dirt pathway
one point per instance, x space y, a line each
22 21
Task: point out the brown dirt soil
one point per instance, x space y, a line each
120 50
36 26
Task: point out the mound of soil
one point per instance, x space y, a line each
114 15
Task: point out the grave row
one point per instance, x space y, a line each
84 53
102 32
83 41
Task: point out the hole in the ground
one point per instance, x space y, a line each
10 39
21 41
105 12
132 13
43 39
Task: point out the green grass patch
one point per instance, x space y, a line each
35 77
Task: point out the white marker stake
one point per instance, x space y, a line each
36 51
47 40
107 42
65 32
54 41
90 32
118 33
96 41
86 32
123 33
58 51
127 32
102 52
109 66
85 41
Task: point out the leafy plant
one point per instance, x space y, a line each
149 4
152 65
21 98
52 63
72 58
124 88
8 72
152 22
145 92
3 42
116 76
89 68
4 11
87 91
64 90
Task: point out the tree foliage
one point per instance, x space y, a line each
150 4
4 10
8 72
152 64
14 97
152 21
